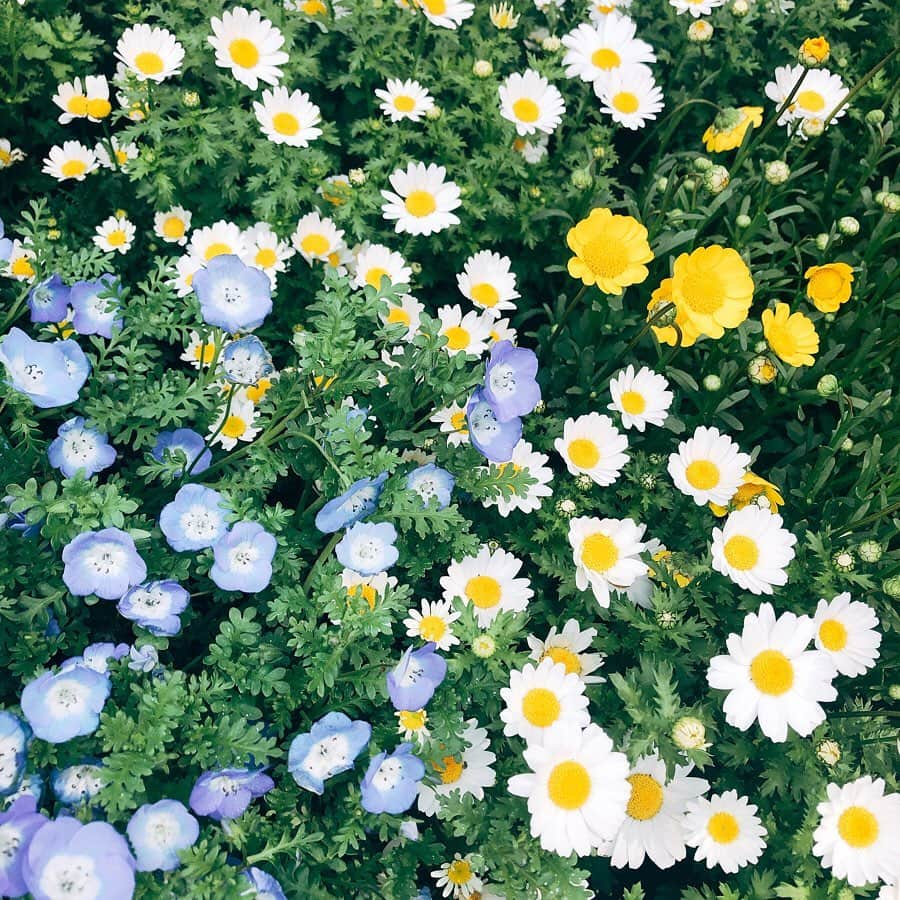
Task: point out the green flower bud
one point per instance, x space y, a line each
892 587
566 508
434 113
847 445
689 184
740 8
482 69
822 240
484 646
191 99
689 733
848 226
894 692
870 551
875 116
716 179
662 183
828 386
761 370
582 179
666 620
829 752
891 203
712 383
776 172
703 163
743 221
700 31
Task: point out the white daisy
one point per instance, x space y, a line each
199 352
652 826
533 151
708 467
288 117
524 457
452 422
577 790
122 154
753 550
606 554
502 331
370 587
413 725
376 261
467 333
600 9
185 268
641 398
265 250
433 623
630 95
859 832
593 52
422 201
446 13
568 648
818 95
70 161
725 830
488 582
591 445
404 100
487 281
150 54
236 426
542 698
19 265
846 631
531 103
115 235
172 225
316 237
696 8
9 155
249 45
771 676
220 238
88 102
457 879
408 312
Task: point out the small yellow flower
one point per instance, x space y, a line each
752 488
814 52
729 127
503 16
610 251
829 286
792 336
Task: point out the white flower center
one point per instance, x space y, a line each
369 549
388 776
413 673
69 877
32 372
163 830
243 556
10 841
67 697
79 446
106 559
148 600
200 523
503 380
327 756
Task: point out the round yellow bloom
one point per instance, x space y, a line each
714 289
791 336
814 51
668 334
729 127
829 286
751 488
610 251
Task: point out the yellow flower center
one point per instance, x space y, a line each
149 63
605 58
77 105
205 353
626 102
811 100
526 110
723 827
646 797
565 656
741 552
540 707
420 204
285 123
116 238
483 591
772 673
369 594
432 628
702 474
599 552
314 8
374 276
833 635
633 403
450 769
73 168
256 392
858 827
315 244
457 338
173 227
583 453
412 720
234 427
435 7
569 785
217 249
605 256
244 53
5 157
98 108
22 267
460 872
703 292
398 316
404 103
485 294
458 421
266 257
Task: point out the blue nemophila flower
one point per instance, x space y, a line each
243 558
18 826
156 606
66 704
75 784
14 737
431 481
143 659
48 374
158 832
357 502
509 383
105 563
49 300
492 438
97 657
96 305
391 782
6 244
262 885
227 793
232 295
368 549
186 441
79 448
195 519
32 785
68 859
246 360
328 748
413 681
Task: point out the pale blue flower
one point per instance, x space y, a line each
18 825
156 606
97 657
105 563
66 704
492 438
14 738
6 244
49 300
79 448
246 360
159 832
186 441
509 383
430 481
412 683
357 502
391 783
243 558
227 793
195 519
262 885
144 658
232 295
328 748
96 305
368 549
49 374
76 784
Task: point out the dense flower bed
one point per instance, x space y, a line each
448 449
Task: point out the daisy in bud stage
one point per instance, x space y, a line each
591 445
708 467
150 54
195 519
531 103
422 200
78 448
115 235
227 793
249 45
232 295
433 623
159 832
404 100
772 677
630 95
445 13
487 281
730 126
791 336
846 631
71 161
606 554
641 398
725 830
391 782
524 458
576 790
594 52
376 262
243 558
829 286
569 647
288 117
105 563
327 749
610 251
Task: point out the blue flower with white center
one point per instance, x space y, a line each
509 383
6 244
328 748
70 861
97 306
232 295
78 448
143 659
97 657
31 785
357 502
182 447
159 832
391 782
195 519
246 360
48 374
18 825
492 438
77 784
62 705
412 683
14 737
243 558
49 300
227 793
430 481
262 885
156 606
105 563
368 549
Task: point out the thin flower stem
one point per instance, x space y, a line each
325 455
665 309
208 442
323 556
558 327
16 309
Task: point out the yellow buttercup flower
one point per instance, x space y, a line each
610 251
829 286
667 334
713 289
752 488
792 336
729 127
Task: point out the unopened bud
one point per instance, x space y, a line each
776 172
848 226
482 69
689 733
700 31
870 551
743 221
828 386
761 370
712 383
829 752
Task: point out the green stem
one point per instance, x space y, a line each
874 517
17 307
208 442
557 328
665 308
311 440
324 555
